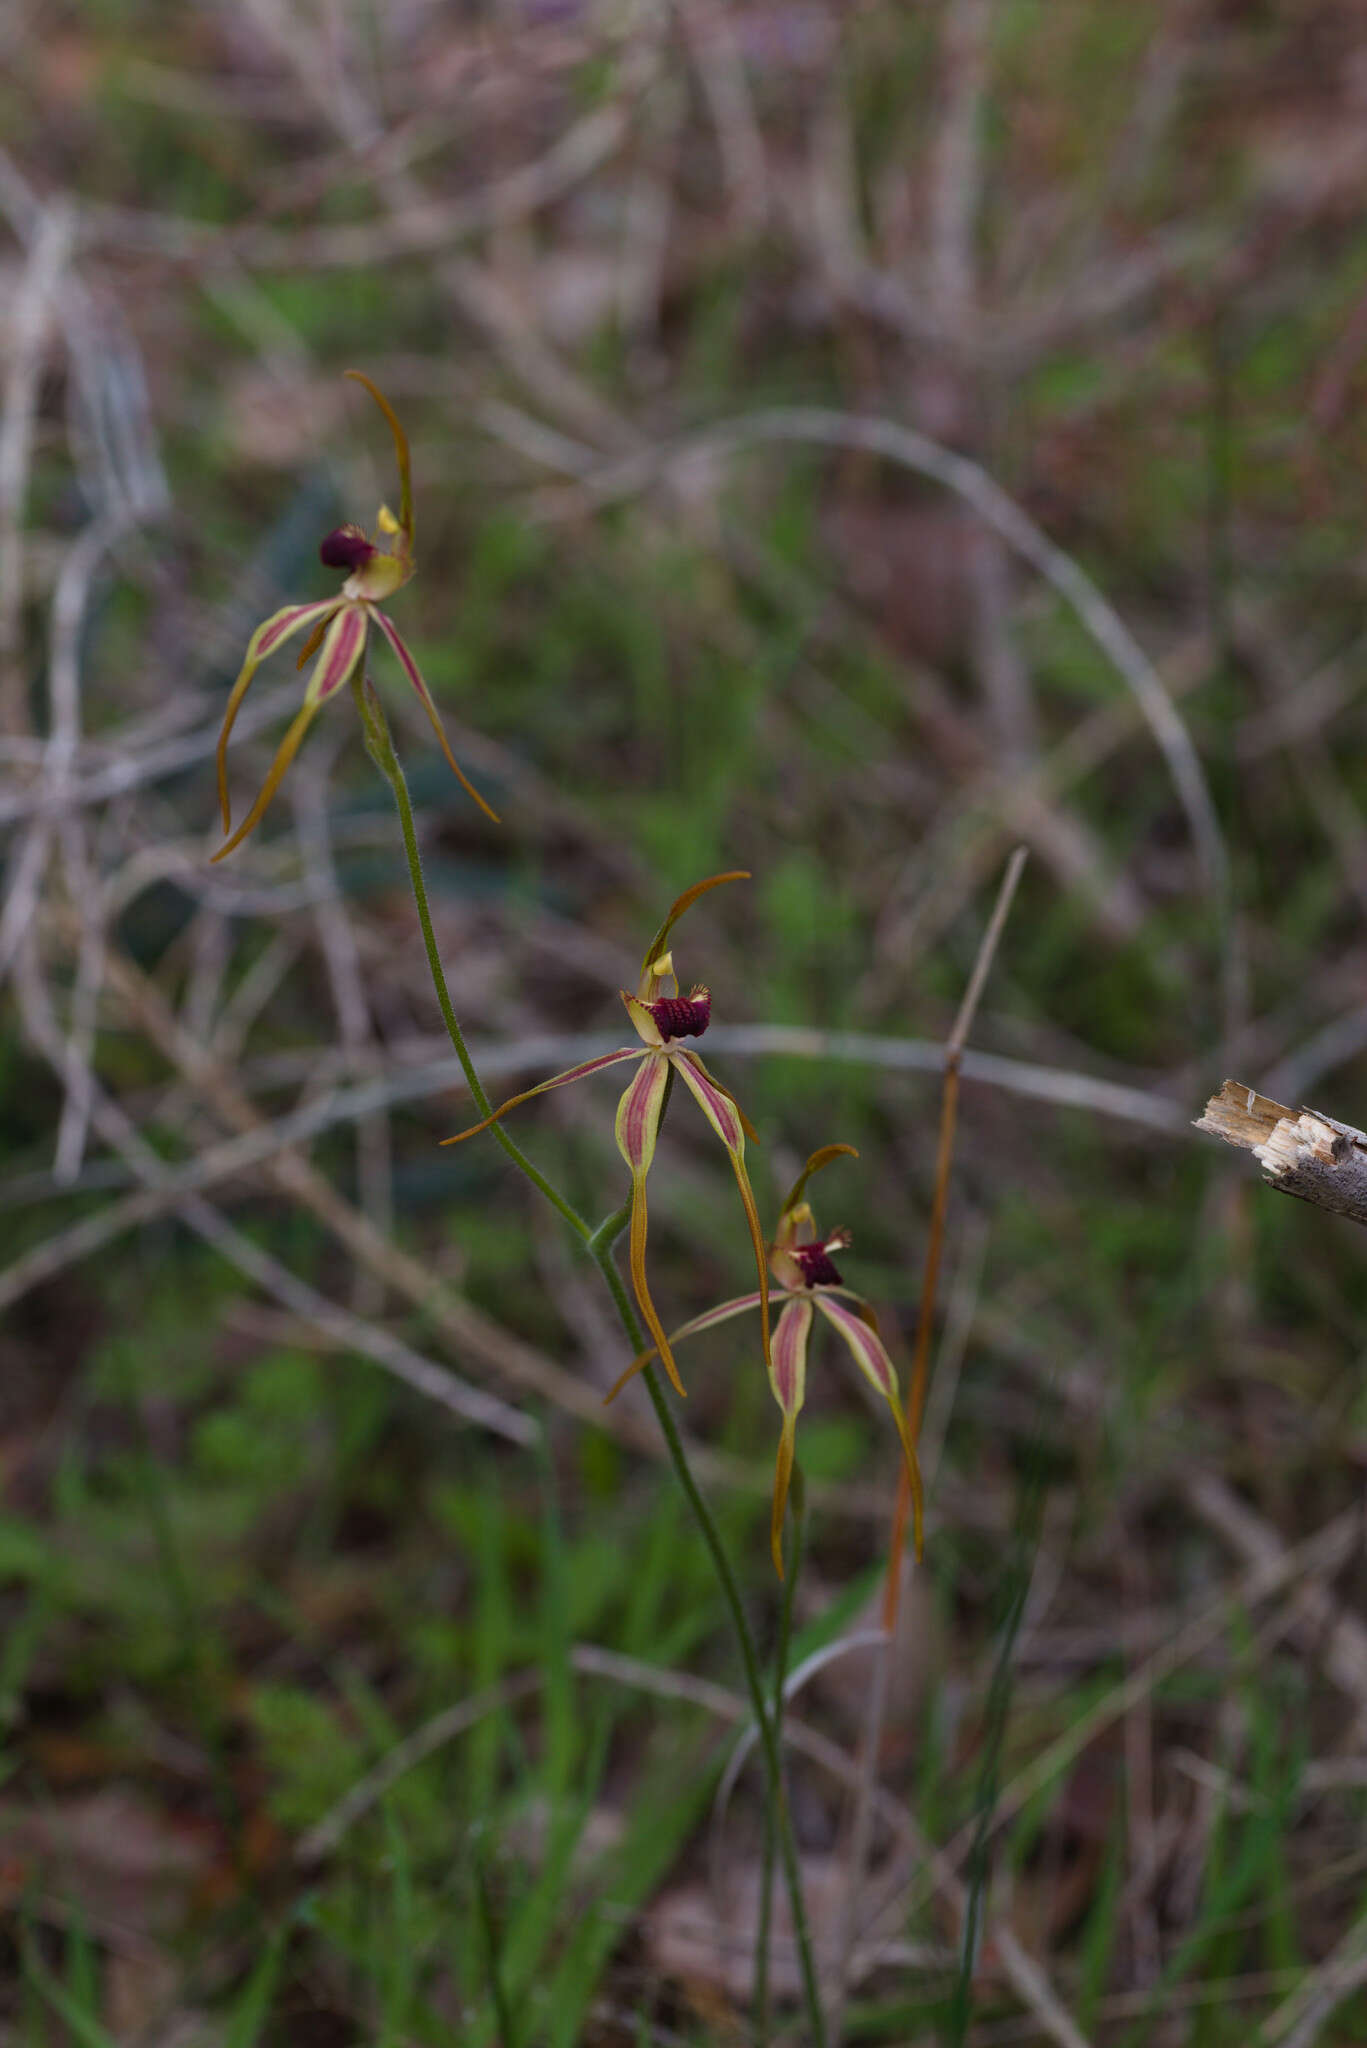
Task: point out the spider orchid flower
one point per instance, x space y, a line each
663 1019
809 1280
340 626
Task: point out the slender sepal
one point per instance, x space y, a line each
400 452
788 1379
707 1321
270 634
871 1356
680 905
607 1059
820 1158
414 675
288 748
638 1123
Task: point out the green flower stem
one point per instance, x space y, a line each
599 1243
777 1816
797 1503
380 747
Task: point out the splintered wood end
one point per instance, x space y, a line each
1302 1151
1241 1116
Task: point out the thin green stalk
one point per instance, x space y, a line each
797 1499
599 1243
380 747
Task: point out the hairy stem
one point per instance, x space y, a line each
380 747
797 1499
599 1243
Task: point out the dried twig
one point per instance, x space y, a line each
1302 1152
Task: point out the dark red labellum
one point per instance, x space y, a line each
346 547
818 1267
682 1016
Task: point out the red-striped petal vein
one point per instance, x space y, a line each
343 646
270 634
788 1371
414 675
870 1355
718 1108
638 1121
606 1059
788 1378
276 630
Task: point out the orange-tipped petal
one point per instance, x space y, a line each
343 647
270 634
706 1321
788 1380
400 452
289 747
638 1123
411 670
727 1121
681 904
820 1158
870 1355
607 1059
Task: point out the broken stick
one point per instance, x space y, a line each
1301 1151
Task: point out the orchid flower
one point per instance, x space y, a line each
809 1279
663 1018
340 627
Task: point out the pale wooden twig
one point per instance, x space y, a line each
460 1322
433 1077
716 53
1304 1152
33 307
351 1332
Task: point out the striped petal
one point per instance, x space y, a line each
343 646
411 670
870 1355
270 634
638 1122
288 748
788 1378
707 1321
728 1121
607 1059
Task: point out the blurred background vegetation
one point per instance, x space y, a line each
638 278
